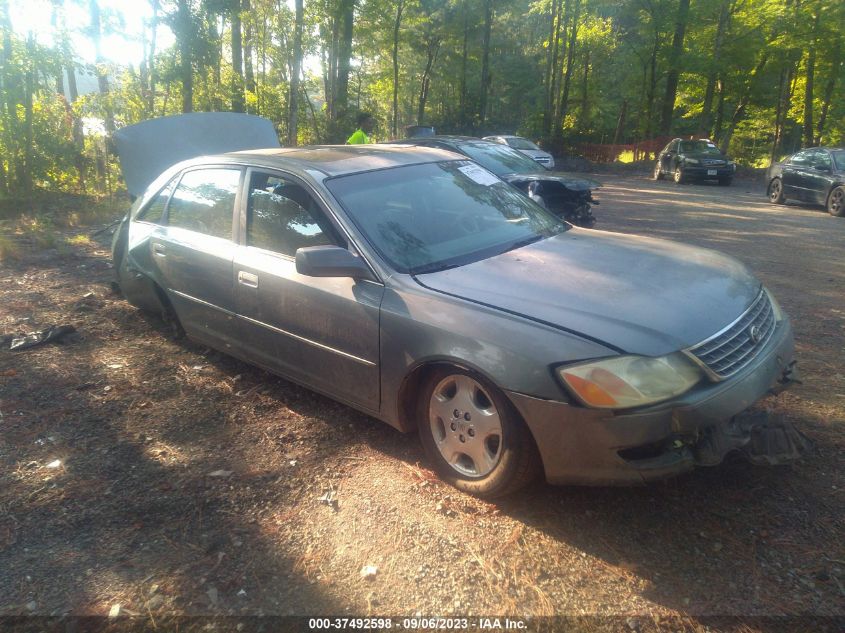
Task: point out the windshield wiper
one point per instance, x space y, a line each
434 267
524 242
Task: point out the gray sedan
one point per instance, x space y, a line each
414 285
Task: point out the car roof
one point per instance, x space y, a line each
340 160
447 138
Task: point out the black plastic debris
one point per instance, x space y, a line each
52 334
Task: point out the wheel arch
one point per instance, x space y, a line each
414 379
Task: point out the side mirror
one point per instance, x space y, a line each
330 261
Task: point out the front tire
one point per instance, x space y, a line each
473 436
679 176
836 201
725 182
775 191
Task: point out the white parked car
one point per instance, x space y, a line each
526 147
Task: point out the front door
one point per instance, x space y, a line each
323 332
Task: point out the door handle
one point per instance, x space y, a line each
247 279
159 250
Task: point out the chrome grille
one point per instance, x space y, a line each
733 348
712 162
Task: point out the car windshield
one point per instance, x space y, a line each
500 159
517 142
839 159
424 218
699 147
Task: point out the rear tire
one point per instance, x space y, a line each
775 191
658 174
473 436
836 201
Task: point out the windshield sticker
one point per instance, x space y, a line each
479 175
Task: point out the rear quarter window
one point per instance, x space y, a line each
154 211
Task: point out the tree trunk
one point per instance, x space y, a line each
344 55
394 126
293 96
836 68
25 182
620 123
784 101
570 62
551 66
102 78
184 37
674 67
151 65
463 97
651 93
485 62
705 123
808 84
237 59
720 108
432 50
249 71
9 84
739 113
584 114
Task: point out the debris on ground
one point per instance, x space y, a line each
52 334
329 498
369 572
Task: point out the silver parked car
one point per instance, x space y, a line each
523 145
415 286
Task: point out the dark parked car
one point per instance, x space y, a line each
417 287
694 160
815 175
568 197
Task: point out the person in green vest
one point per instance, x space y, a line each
361 136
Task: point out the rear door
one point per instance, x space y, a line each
819 176
794 175
193 252
323 332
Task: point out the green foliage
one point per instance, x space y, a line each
743 80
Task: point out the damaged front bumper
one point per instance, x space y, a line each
588 446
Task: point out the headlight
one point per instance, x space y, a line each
622 382
692 161
775 305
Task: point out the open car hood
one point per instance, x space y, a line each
148 148
573 183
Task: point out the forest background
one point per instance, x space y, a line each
762 78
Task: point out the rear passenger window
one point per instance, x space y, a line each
204 201
154 211
802 159
282 216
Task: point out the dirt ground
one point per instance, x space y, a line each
152 473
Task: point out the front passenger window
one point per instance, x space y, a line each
282 217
